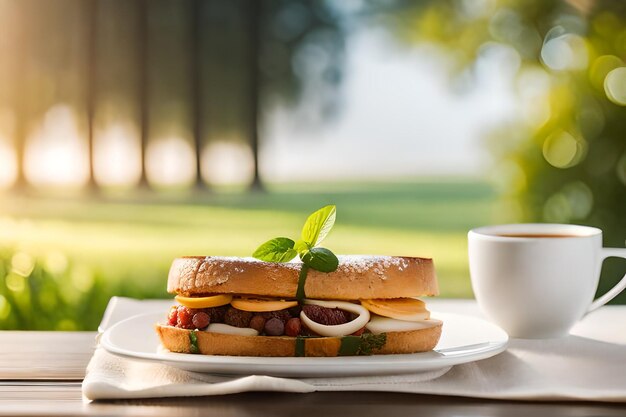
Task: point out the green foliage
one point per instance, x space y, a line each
48 295
290 30
52 294
137 240
563 159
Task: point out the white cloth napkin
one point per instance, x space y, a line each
588 365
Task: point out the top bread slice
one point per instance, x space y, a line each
357 277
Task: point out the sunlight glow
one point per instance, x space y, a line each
8 156
227 163
8 164
117 155
56 153
170 162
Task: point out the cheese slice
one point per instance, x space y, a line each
407 309
204 302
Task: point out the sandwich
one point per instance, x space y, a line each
249 307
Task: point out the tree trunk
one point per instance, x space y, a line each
142 36
21 100
197 88
254 84
91 66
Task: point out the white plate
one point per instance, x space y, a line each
464 339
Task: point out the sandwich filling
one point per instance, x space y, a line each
247 316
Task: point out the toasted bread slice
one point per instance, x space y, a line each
178 340
357 277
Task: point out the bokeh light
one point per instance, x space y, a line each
474 9
557 209
56 152
227 163
170 162
564 51
580 199
562 150
574 201
22 264
117 155
15 282
601 67
615 86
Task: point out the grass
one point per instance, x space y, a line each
124 247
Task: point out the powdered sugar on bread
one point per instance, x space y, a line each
358 276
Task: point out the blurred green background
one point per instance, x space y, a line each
135 132
73 255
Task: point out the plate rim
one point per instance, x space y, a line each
394 363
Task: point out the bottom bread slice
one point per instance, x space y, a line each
175 339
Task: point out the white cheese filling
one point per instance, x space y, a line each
379 324
226 329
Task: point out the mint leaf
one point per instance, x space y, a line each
279 249
301 247
320 259
316 228
318 225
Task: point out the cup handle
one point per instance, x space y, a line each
618 288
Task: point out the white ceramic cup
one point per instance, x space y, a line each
538 287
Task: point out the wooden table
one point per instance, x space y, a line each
41 373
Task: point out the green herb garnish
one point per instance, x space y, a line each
279 249
300 343
361 345
315 229
193 342
370 342
301 282
349 346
